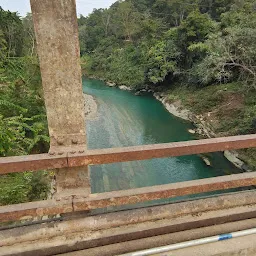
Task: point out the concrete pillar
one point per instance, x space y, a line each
56 30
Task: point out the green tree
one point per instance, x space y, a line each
29 40
215 8
129 20
161 61
193 30
173 12
232 52
11 26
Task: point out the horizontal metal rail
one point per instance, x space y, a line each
125 197
174 149
32 163
114 155
138 195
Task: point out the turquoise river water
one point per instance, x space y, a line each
124 119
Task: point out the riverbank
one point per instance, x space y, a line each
215 111
202 127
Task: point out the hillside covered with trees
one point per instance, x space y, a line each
200 54
164 41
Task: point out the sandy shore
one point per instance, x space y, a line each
90 107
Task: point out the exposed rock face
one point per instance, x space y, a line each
142 92
203 128
173 108
191 131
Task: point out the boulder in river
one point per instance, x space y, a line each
191 131
141 92
206 160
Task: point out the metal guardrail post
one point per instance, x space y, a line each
56 30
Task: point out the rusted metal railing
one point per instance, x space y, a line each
114 155
76 203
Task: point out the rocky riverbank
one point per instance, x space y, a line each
112 84
202 127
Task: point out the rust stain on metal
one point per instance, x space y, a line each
32 163
133 196
104 156
126 197
34 209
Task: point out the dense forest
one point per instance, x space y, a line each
23 124
201 53
138 42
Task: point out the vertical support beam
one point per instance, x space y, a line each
56 30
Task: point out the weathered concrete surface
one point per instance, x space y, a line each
154 226
72 181
59 53
120 248
123 218
58 49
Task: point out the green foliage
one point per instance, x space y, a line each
193 31
11 27
23 128
231 52
161 61
228 107
23 124
196 42
124 69
216 8
195 27
22 107
174 12
29 42
3 47
21 188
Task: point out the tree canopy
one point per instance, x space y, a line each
197 42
